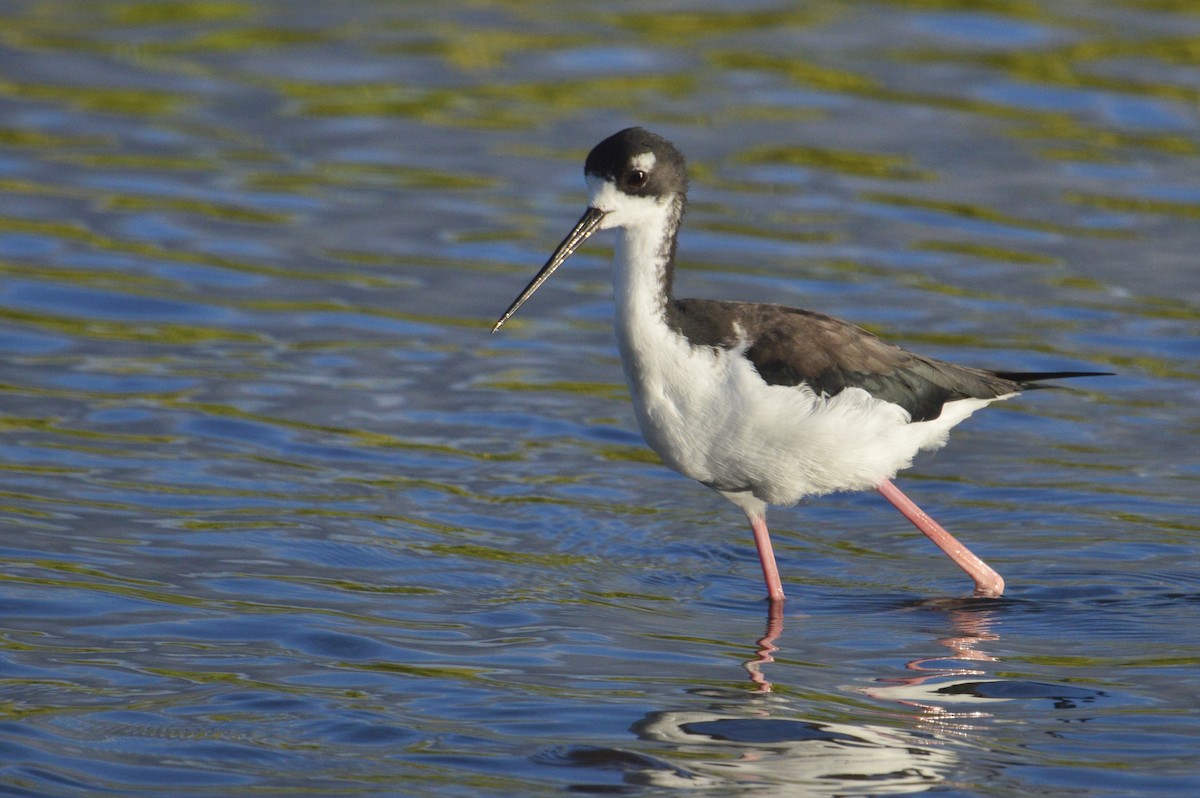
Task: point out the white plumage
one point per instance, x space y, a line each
763 403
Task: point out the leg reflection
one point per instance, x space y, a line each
948 688
766 647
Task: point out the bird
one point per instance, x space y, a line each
765 404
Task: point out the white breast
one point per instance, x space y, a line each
710 416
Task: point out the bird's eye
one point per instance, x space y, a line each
637 178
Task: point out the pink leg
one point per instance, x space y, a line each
988 583
766 555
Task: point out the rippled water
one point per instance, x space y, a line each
280 516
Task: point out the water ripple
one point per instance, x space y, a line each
282 517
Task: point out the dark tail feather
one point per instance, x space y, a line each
1029 379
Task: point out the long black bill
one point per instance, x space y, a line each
587 224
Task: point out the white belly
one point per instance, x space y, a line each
710 416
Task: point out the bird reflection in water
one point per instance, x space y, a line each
947 688
761 742
956 694
737 742
733 742
942 683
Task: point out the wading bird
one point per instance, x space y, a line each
765 404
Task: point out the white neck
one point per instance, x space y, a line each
642 271
642 268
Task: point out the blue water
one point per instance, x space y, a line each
280 517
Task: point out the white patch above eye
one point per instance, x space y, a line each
645 161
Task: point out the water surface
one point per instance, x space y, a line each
280 516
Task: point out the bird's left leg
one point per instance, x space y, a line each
988 583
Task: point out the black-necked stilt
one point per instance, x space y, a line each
765 404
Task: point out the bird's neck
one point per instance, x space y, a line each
644 267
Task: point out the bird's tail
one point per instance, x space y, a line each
1030 379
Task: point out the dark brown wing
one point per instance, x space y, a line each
791 346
